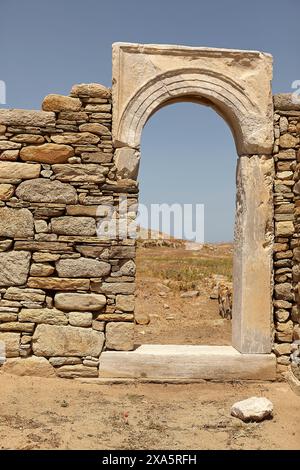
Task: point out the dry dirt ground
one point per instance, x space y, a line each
163 274
38 413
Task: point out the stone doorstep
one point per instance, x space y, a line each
173 381
186 362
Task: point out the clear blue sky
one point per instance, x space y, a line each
188 153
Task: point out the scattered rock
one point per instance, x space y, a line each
190 294
142 318
253 409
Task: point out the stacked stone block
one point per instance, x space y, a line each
287 227
66 293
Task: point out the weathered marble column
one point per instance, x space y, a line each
252 270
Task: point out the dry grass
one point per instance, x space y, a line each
186 269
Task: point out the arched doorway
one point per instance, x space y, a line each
237 85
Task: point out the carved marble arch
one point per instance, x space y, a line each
234 83
225 96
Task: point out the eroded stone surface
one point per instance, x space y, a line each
41 269
90 173
32 366
14 268
43 190
51 341
82 302
253 255
82 267
16 222
69 225
73 371
32 295
58 283
125 302
25 117
120 336
253 409
28 139
76 138
16 171
12 341
83 319
47 153
51 316
59 103
94 90
286 102
155 74
94 128
127 161
6 191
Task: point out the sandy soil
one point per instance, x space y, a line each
176 320
39 413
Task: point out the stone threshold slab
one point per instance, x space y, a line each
186 362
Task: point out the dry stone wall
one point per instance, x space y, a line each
287 230
66 293
62 287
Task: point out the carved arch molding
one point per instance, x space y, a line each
237 84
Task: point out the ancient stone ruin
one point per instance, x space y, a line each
67 294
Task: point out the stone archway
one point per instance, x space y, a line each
237 84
